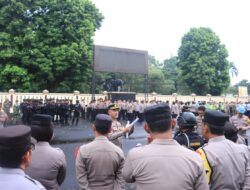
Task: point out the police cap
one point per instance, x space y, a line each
157 114
113 107
215 117
102 121
15 137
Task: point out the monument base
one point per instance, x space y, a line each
114 96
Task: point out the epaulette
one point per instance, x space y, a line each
29 178
35 182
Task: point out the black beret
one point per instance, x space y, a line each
15 137
113 107
103 121
41 119
215 117
157 113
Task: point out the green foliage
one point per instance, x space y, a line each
203 62
16 76
49 42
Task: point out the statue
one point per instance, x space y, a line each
113 84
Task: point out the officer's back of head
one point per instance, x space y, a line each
186 120
102 124
15 146
158 118
231 132
42 127
214 122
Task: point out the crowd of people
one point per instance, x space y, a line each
65 112
193 145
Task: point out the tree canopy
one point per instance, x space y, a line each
203 62
47 44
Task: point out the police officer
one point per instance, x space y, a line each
241 121
231 133
163 164
226 163
48 164
76 112
186 135
99 163
117 129
15 157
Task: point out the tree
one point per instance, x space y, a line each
203 62
171 71
49 42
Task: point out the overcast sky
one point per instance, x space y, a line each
158 26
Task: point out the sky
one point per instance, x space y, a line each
158 26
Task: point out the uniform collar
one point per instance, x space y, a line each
217 139
165 142
11 171
43 143
101 138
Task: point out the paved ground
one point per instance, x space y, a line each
70 137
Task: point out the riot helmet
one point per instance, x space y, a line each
186 120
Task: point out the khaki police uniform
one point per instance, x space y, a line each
164 164
99 165
13 179
48 165
241 123
116 134
228 164
13 141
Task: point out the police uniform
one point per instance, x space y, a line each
186 135
163 164
50 170
190 139
241 123
116 129
226 163
48 164
99 163
13 139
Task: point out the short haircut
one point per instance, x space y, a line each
160 127
231 132
103 123
216 130
202 108
42 133
158 118
12 157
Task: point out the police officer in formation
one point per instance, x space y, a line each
48 164
163 164
186 135
99 164
226 163
15 157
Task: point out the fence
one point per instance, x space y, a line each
86 98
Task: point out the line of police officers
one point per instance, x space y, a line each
160 164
